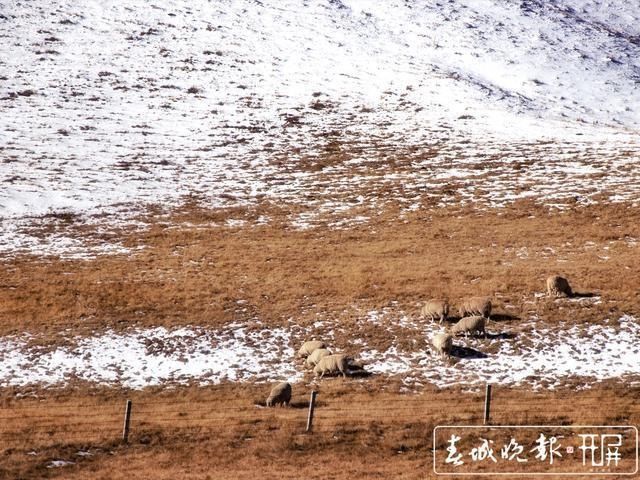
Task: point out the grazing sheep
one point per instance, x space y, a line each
469 325
332 364
436 309
314 358
307 348
280 395
443 343
476 306
558 286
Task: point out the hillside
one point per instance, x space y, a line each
190 190
113 107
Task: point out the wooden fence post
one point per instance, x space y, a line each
312 406
127 421
487 404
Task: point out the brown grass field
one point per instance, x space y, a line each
192 273
219 432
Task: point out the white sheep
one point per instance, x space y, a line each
558 286
332 364
476 306
280 395
436 309
467 325
307 348
443 343
316 355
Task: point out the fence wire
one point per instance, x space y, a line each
28 424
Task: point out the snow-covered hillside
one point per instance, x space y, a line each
124 103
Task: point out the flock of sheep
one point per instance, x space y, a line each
316 355
475 312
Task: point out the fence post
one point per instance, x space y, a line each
487 404
127 420
312 406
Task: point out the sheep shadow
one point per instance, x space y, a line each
501 336
299 404
495 317
583 295
467 352
503 317
352 372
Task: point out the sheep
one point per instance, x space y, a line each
314 358
280 395
332 364
467 325
476 306
307 348
443 343
558 286
436 309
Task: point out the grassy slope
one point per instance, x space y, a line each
195 275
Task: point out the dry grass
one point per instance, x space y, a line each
192 273
220 432
196 274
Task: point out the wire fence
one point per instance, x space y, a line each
48 423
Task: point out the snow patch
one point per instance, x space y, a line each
529 355
154 356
